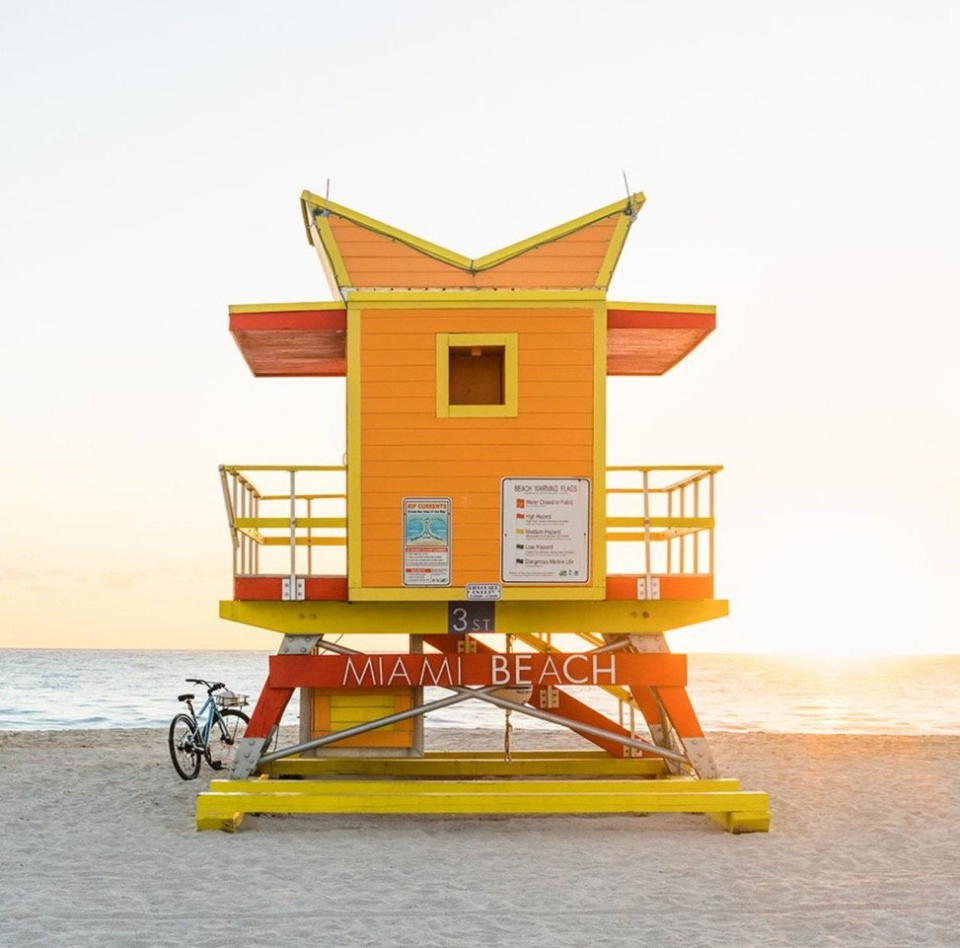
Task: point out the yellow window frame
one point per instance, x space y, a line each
449 340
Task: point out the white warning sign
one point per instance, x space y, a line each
545 530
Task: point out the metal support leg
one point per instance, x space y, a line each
249 749
675 725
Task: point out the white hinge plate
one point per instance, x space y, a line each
549 698
653 592
299 590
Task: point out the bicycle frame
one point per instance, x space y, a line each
212 713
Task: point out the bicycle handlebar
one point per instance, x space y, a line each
211 686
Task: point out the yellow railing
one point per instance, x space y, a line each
660 518
669 511
266 520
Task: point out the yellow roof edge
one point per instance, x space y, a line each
285 307
634 202
663 307
379 227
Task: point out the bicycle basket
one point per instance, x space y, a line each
229 699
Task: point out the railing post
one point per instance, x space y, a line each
238 507
669 538
256 546
309 537
711 516
646 531
696 536
293 534
683 536
231 514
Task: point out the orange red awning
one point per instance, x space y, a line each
309 339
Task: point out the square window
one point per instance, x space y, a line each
476 375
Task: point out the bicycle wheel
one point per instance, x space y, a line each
225 734
184 742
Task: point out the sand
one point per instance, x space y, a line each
97 847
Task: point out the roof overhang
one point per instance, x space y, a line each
309 339
292 339
651 338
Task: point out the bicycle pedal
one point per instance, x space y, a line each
216 764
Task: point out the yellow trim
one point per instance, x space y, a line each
284 307
598 539
284 522
225 803
354 561
460 299
463 764
445 340
704 468
451 593
236 468
634 202
329 243
301 541
614 250
663 308
379 227
700 523
515 615
443 375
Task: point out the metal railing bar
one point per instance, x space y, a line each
236 468
580 727
329 523
304 496
666 467
701 523
357 729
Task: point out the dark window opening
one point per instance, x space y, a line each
476 375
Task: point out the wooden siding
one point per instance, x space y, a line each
407 451
570 262
336 709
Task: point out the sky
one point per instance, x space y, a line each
800 166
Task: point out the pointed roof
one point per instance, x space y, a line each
360 253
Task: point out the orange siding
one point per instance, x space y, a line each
373 260
335 709
406 450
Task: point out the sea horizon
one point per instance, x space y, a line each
732 691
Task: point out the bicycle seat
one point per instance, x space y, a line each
184 697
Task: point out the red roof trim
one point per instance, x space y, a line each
324 319
633 319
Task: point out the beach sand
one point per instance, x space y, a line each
98 847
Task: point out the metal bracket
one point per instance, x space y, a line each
299 589
247 758
549 698
648 591
297 644
466 646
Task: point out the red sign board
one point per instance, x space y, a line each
455 670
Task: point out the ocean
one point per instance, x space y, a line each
52 689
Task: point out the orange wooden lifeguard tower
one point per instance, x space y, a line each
476 509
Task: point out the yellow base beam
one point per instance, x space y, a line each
604 766
735 809
612 617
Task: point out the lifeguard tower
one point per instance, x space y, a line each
475 516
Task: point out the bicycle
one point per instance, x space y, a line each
212 734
